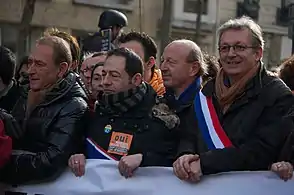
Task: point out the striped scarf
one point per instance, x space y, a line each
123 101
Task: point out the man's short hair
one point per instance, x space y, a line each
149 45
7 65
91 55
71 40
94 54
244 22
61 48
133 64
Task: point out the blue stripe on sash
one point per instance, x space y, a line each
202 123
93 153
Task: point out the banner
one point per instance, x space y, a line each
102 177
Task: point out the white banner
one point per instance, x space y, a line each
102 177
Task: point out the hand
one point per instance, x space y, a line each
128 164
283 169
182 166
196 171
77 164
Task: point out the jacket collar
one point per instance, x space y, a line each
186 98
253 88
66 87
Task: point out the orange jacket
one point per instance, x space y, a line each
157 82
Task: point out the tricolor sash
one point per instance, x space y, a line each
213 134
94 151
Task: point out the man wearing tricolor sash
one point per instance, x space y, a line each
237 121
185 69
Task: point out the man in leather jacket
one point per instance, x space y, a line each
50 116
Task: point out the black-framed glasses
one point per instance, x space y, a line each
236 48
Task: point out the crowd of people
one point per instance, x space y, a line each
194 112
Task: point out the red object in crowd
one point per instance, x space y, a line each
5 145
91 104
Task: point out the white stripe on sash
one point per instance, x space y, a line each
206 113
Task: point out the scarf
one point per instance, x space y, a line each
189 93
123 101
157 82
186 97
227 95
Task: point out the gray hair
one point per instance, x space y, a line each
88 55
241 23
194 55
94 54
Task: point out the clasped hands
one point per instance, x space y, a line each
188 168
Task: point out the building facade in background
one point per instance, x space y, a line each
216 12
80 17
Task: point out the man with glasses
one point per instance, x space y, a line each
87 66
240 123
86 69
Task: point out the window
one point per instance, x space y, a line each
80 35
190 6
9 36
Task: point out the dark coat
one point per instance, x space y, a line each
254 123
95 43
51 134
148 123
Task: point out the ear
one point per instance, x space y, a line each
258 54
194 69
151 62
137 79
63 68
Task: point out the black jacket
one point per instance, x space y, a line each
95 43
148 123
254 123
51 134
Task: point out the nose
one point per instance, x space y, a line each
88 79
100 85
163 66
88 76
231 52
106 81
31 69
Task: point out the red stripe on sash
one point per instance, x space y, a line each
218 128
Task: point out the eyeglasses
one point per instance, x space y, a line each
236 48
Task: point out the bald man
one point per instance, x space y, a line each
182 66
